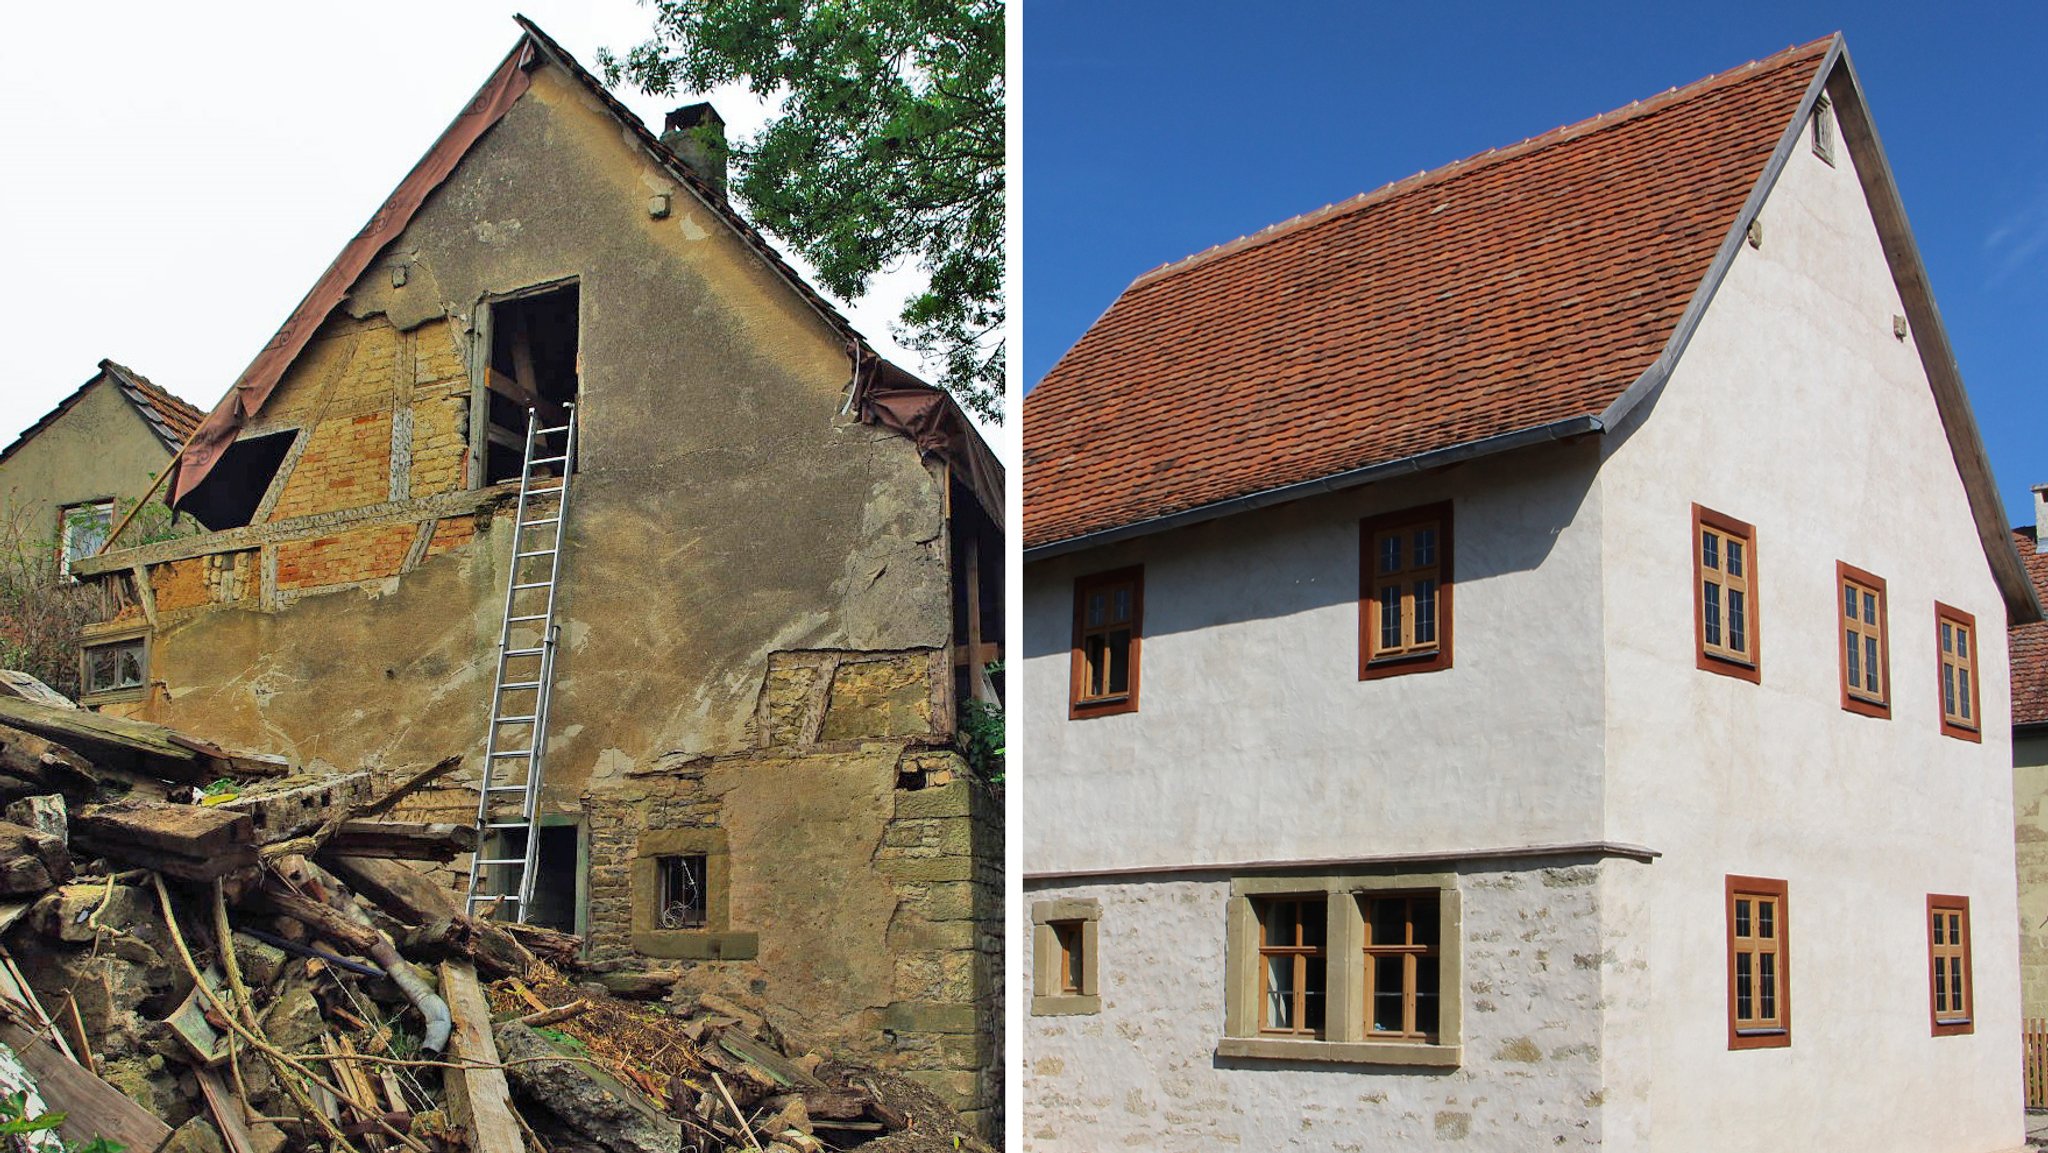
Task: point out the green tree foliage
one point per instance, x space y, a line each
888 146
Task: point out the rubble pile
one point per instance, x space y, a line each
209 952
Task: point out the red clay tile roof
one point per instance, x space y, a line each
2028 644
1525 286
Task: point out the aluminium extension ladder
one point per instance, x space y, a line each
508 796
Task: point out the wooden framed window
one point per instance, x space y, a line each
114 668
1955 634
1294 968
1759 964
81 531
1404 618
1725 626
1865 652
1403 966
1109 616
1948 964
1063 957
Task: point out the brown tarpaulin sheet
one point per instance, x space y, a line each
896 400
218 431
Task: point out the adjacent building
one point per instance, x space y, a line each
779 574
2028 648
1505 668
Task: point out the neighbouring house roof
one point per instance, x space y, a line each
170 418
884 394
2028 643
1532 292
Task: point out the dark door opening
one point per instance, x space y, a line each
557 871
533 366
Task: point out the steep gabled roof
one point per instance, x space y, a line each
883 393
2028 643
1529 293
170 418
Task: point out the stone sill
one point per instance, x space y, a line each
1410 1053
694 945
1065 1006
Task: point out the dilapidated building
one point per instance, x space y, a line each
772 574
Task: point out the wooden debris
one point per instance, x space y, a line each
479 1098
16 683
312 842
406 840
557 1014
120 744
91 1107
43 763
286 808
191 842
228 1114
323 919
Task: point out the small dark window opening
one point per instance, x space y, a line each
555 874
683 891
230 494
1073 963
116 667
533 365
977 549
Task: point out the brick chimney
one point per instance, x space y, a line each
2040 513
696 134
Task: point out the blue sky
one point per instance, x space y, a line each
1156 129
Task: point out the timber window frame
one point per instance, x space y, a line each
1065 963
1951 988
117 647
1759 963
1106 604
1405 586
1863 641
1956 647
653 863
1346 1035
1727 628
82 529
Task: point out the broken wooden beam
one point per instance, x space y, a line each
91 1107
407 895
191 842
43 762
323 919
479 1099
404 840
120 743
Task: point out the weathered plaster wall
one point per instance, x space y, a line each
726 521
100 448
1143 1073
1254 738
2030 824
1796 409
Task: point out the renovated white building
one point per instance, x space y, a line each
1555 583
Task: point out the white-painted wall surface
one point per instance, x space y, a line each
1254 738
1795 408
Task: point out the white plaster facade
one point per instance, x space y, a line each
1594 987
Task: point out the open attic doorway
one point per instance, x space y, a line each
534 363
560 871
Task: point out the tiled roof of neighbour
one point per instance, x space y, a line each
171 418
1522 287
2029 643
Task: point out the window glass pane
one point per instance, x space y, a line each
1710 550
1388 924
1386 994
1428 1005
1276 923
1955 929
1869 608
131 667
1119 662
1948 640
1941 984
1424 915
1741 918
1711 599
1734 557
1766 915
1315 922
1096 605
1870 664
1849 601
1955 985
1855 659
1312 987
1390 617
1093 651
1425 612
1948 689
1738 618
1425 547
1120 604
1963 693
1963 642
1390 553
1767 986
1744 995
1280 992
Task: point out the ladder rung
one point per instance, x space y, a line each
506 825
506 789
508 686
533 584
526 617
542 520
535 552
525 720
550 431
546 460
549 491
524 652
513 753
521 861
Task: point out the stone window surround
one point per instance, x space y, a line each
96 637
716 941
1046 998
1347 1041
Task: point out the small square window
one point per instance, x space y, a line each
82 531
1955 634
1109 616
1725 626
1948 965
1759 965
1063 958
684 892
1863 647
1404 600
116 669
